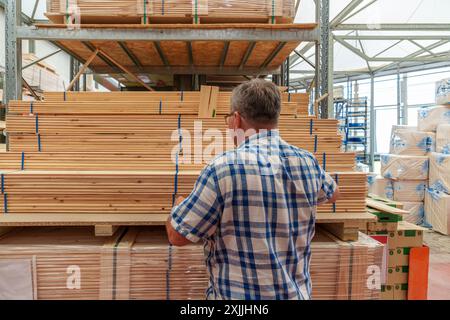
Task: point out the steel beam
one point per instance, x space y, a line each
130 54
223 58
325 34
372 123
13 52
274 53
41 59
393 37
345 12
249 51
250 71
161 53
396 27
181 34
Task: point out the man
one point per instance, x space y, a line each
255 206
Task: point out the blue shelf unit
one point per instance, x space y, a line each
353 118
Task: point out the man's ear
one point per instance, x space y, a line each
237 121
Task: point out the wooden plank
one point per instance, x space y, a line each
385 208
105 230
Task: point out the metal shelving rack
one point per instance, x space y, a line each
353 115
16 32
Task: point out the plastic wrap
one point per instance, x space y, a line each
380 186
443 92
171 10
138 263
404 167
416 212
408 141
431 117
440 172
409 190
437 210
443 139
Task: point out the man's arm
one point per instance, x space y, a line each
175 238
336 196
198 216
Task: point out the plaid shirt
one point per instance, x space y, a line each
255 207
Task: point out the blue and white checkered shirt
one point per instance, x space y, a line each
255 209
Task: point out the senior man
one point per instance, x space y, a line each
254 207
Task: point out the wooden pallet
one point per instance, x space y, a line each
343 226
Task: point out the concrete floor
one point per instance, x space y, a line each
439 272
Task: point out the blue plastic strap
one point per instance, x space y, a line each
160 107
5 203
39 142
169 269
3 183
37 124
175 184
182 95
65 96
315 143
289 97
324 165
22 162
334 207
162 7
31 107
311 125
337 179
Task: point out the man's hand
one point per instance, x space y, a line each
175 238
336 196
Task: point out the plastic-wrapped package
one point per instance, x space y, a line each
430 118
437 210
409 190
131 11
380 186
407 141
139 263
416 212
443 139
404 167
440 172
443 91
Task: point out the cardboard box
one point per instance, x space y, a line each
382 226
384 216
397 275
387 292
443 91
401 291
398 257
407 235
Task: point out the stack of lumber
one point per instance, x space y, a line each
41 75
140 264
86 158
223 98
97 161
151 11
131 192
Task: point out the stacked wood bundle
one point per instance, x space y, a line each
140 264
97 161
81 154
151 11
129 132
41 76
130 192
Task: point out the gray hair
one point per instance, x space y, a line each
258 101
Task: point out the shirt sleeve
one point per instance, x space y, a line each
198 216
328 187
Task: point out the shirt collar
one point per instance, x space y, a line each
265 136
